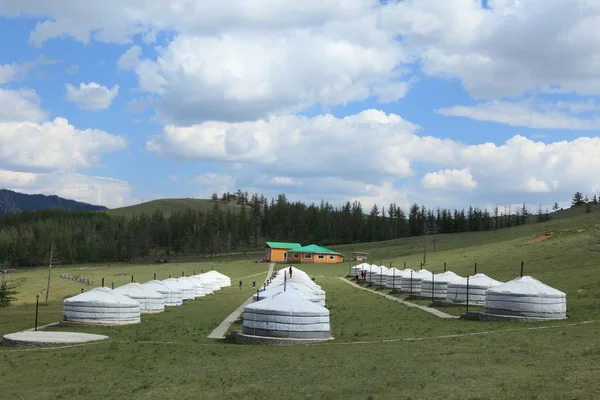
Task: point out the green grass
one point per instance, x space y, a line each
382 349
167 206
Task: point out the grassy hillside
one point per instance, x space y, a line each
387 350
169 205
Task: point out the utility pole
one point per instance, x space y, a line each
425 245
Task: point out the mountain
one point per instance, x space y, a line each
167 206
14 202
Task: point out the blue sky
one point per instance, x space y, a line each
414 101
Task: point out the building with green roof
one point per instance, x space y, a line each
296 253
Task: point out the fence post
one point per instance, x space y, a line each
467 294
475 269
444 266
522 269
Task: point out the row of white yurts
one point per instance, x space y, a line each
523 297
124 304
291 306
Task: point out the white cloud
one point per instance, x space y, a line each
364 155
247 75
508 50
130 59
53 145
117 21
449 179
71 185
20 105
91 96
529 114
17 71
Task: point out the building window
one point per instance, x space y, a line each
296 255
307 255
321 257
332 258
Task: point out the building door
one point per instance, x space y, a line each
285 256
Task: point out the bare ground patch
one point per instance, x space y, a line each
540 238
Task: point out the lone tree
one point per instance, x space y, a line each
555 206
52 259
577 199
7 294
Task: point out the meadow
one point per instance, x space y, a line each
382 349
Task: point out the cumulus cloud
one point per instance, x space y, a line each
245 76
372 152
53 145
20 105
560 115
449 179
72 185
129 59
508 49
91 96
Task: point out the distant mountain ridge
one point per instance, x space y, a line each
14 202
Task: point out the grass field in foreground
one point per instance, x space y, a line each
514 362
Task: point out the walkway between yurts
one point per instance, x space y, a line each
220 331
433 311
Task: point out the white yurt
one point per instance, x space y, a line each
172 296
285 315
412 284
371 271
316 295
223 280
150 300
301 279
436 286
297 289
188 291
101 307
201 291
357 269
526 297
210 282
381 275
478 285
394 277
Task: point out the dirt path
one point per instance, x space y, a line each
430 310
220 331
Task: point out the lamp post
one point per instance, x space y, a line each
37 302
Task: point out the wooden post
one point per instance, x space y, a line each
521 269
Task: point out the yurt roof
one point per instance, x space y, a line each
423 273
527 285
161 287
103 289
218 274
136 290
447 277
185 283
479 280
293 290
287 303
100 298
174 283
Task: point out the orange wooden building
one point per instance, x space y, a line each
294 252
278 251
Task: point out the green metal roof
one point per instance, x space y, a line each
313 248
283 245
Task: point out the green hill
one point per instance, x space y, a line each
169 205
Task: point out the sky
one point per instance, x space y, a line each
444 103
